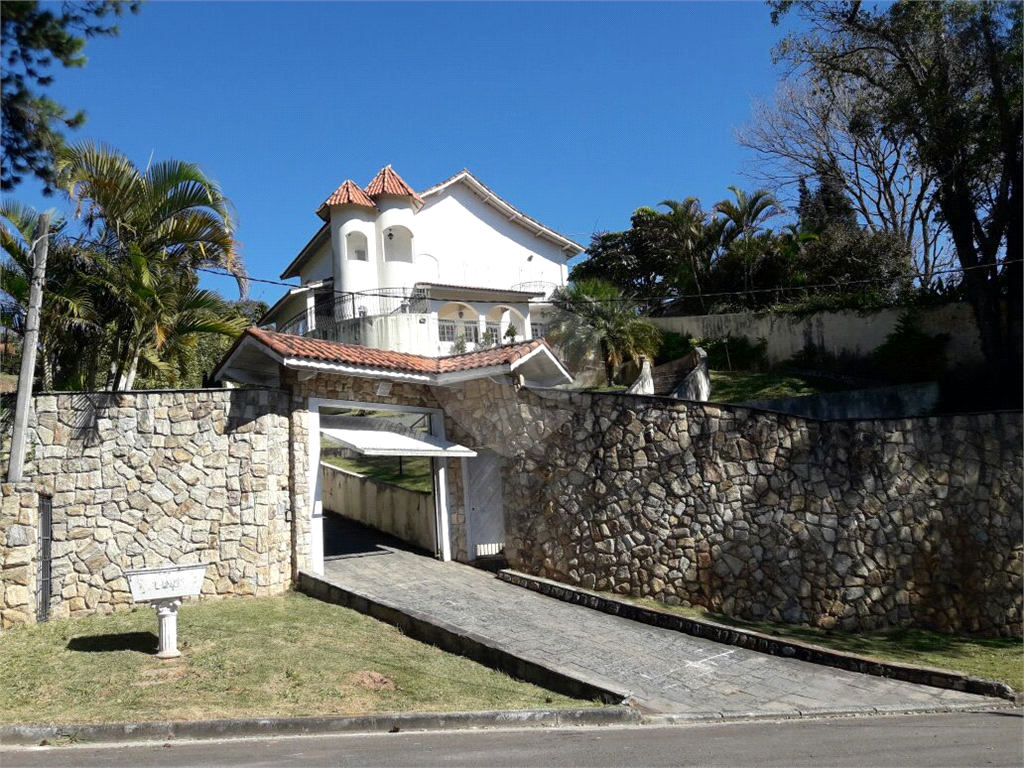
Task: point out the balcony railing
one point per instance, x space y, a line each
333 308
537 286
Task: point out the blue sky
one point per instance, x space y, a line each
576 113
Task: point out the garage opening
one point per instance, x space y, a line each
381 469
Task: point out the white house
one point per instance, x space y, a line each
414 272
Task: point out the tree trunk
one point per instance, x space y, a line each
130 380
609 367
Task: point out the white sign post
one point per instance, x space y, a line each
164 587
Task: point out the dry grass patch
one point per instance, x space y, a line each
283 656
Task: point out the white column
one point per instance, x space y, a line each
167 616
310 310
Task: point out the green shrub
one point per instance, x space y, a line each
728 353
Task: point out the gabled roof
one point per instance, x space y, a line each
510 211
387 182
348 193
303 353
322 235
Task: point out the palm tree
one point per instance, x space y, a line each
152 229
744 220
594 315
68 318
696 236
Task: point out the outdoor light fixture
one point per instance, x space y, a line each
461 314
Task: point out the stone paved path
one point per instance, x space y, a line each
667 672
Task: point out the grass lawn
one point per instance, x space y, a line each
280 656
414 474
8 383
991 658
741 386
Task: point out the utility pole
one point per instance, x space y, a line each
16 463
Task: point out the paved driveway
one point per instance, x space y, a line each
666 671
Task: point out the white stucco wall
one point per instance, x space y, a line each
351 274
320 266
456 239
476 245
835 332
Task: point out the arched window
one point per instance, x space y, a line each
355 246
457 320
398 244
505 325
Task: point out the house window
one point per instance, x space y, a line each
446 330
538 330
470 330
356 246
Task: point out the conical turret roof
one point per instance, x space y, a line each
348 193
387 182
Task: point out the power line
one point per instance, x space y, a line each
665 298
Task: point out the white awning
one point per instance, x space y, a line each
377 442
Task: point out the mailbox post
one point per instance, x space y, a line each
164 587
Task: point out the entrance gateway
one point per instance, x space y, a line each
365 437
485 511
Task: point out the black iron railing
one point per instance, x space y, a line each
331 308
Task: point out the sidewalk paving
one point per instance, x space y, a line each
665 671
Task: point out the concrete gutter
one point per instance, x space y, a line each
755 641
237 728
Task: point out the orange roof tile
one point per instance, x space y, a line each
348 193
289 345
387 182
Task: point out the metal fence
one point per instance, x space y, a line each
331 307
45 539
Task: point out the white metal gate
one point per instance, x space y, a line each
486 513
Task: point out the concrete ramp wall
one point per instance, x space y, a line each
409 515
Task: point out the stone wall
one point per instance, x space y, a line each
143 479
859 524
19 506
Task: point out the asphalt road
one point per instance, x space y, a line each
965 739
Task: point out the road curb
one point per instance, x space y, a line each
32 735
755 641
693 718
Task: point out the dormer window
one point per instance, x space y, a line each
355 246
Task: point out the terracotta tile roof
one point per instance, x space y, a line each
387 182
348 193
428 284
288 345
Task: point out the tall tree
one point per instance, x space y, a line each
745 217
33 39
69 318
947 77
593 315
812 126
638 260
152 229
696 238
